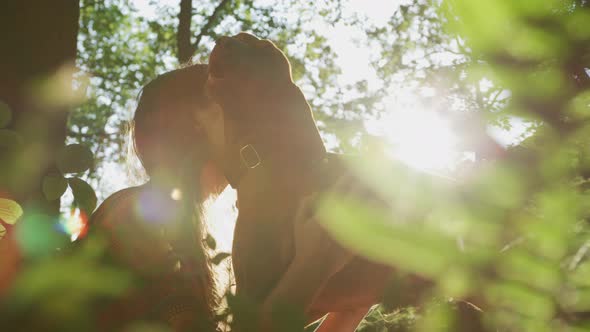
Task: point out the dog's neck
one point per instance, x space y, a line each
273 156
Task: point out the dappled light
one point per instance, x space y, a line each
75 224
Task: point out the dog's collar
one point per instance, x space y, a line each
254 154
247 158
287 138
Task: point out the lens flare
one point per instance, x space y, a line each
176 194
75 224
156 206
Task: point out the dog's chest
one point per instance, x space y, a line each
262 250
263 244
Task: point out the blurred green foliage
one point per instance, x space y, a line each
57 290
521 219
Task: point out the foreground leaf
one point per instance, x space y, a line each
10 211
220 257
210 241
84 195
54 186
38 235
74 158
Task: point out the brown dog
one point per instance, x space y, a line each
274 157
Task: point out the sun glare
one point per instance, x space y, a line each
420 138
176 194
75 224
220 216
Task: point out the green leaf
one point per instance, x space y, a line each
5 114
220 257
2 231
84 196
74 158
54 186
210 241
367 230
77 270
10 211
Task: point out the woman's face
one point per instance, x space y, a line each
210 121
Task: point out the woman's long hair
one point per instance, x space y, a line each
173 151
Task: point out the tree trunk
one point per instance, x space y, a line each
38 39
185 49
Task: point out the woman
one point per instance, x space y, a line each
176 129
154 229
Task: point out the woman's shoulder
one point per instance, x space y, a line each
122 195
120 204
132 237
138 213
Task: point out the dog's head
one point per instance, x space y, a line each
251 80
245 57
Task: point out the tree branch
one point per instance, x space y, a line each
493 100
210 21
102 134
183 36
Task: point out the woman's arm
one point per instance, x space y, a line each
317 258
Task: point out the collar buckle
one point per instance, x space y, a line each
249 156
